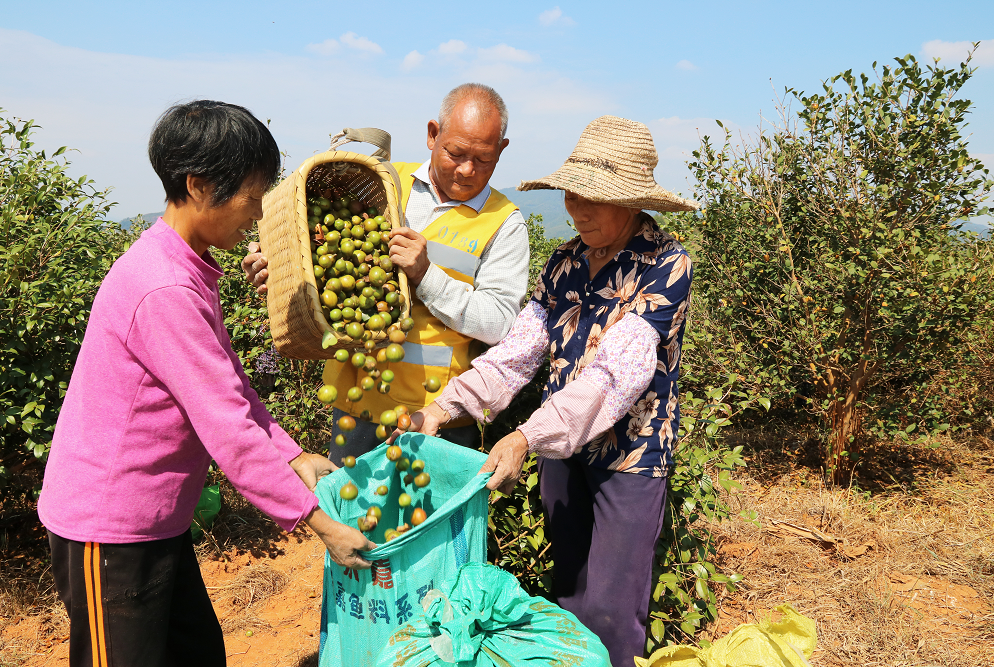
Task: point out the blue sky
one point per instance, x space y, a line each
96 75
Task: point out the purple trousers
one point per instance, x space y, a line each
603 527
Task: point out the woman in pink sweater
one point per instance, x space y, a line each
155 395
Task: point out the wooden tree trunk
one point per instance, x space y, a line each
846 422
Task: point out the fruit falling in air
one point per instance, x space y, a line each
394 453
349 492
418 516
422 480
327 394
349 462
346 423
404 500
432 384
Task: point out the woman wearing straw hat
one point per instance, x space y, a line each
609 309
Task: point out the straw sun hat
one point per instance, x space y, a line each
613 163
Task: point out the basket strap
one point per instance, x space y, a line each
396 182
367 135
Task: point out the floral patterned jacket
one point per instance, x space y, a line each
651 277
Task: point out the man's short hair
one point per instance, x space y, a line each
219 142
480 93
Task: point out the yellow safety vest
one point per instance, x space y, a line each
455 242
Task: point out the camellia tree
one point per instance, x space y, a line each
55 248
829 243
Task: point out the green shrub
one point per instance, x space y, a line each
829 263
55 248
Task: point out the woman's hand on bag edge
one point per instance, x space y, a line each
506 459
427 420
343 542
312 467
254 265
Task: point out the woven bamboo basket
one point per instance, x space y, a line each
297 322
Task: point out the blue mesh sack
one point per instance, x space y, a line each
361 608
483 618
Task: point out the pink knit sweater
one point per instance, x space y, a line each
156 393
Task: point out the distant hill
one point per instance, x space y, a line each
548 204
149 218
983 230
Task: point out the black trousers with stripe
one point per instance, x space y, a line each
140 604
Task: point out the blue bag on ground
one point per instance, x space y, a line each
483 618
362 608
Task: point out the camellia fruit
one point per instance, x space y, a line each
403 464
349 462
382 490
327 394
404 500
381 432
394 453
340 440
388 418
418 465
342 355
354 330
346 423
349 492
422 480
432 384
395 352
354 394
418 516
403 422
374 510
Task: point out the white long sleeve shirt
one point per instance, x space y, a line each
486 310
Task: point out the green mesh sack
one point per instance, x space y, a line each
483 618
361 608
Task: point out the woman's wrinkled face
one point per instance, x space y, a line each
600 225
226 225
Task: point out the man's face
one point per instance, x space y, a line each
465 152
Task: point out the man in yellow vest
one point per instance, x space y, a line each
465 253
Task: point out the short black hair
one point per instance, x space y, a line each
222 143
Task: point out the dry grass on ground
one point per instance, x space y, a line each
900 576
897 570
